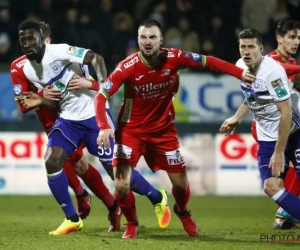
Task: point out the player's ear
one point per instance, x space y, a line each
161 40
261 48
279 39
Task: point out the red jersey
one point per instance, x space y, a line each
149 90
21 84
277 56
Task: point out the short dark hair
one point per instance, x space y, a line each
30 24
46 30
251 33
284 26
148 23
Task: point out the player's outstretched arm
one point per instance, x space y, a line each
216 64
291 69
97 62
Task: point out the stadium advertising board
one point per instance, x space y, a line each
22 168
207 98
237 172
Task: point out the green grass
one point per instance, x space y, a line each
225 223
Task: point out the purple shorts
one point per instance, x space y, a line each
266 150
69 135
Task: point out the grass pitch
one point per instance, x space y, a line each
225 223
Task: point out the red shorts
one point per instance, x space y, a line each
160 150
254 131
77 154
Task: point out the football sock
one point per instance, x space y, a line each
287 182
127 205
141 186
288 202
182 198
58 184
73 181
94 182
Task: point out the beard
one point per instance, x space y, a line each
150 55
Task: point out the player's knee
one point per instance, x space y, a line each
54 160
81 166
122 187
179 181
271 186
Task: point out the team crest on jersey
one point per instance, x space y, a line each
257 84
166 72
18 89
55 67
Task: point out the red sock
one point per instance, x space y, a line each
289 178
74 182
94 181
294 188
182 198
127 205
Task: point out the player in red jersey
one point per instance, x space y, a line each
47 117
146 119
288 39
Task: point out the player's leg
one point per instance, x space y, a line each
165 151
63 139
80 166
93 177
273 187
125 159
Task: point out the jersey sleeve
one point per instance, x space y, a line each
20 84
71 53
277 85
114 82
194 60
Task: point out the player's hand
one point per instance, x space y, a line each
103 137
79 82
229 126
247 77
277 163
52 94
30 100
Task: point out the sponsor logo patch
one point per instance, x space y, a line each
75 51
107 85
122 151
127 111
175 158
131 62
196 57
279 88
21 63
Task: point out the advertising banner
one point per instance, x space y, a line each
22 168
207 98
236 165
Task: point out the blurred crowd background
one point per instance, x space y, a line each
109 27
